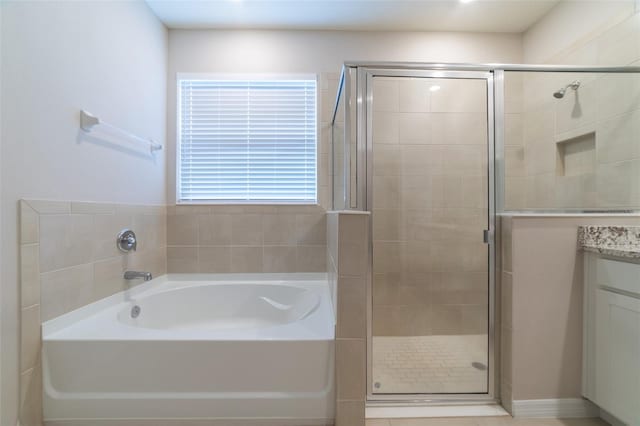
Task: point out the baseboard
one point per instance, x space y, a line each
558 408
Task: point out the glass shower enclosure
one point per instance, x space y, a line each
433 152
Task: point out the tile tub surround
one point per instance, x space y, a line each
347 257
541 305
252 238
623 241
68 259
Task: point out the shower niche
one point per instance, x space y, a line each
577 155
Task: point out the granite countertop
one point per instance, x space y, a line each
619 241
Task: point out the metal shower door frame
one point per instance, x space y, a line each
364 130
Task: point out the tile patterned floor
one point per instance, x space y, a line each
429 364
485 421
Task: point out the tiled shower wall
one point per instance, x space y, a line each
582 151
430 200
68 259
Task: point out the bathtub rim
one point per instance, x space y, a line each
54 329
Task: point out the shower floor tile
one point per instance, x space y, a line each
430 364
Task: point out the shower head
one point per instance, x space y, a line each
560 93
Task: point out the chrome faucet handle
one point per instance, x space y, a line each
127 241
132 275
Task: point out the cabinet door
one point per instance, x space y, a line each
618 355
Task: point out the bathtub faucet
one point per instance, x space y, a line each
132 275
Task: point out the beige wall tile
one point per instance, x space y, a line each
446 319
514 161
414 128
151 230
279 258
422 159
389 224
353 258
108 277
385 94
459 128
350 368
214 229
92 208
513 88
618 184
65 290
246 229
311 259
278 229
617 94
311 229
386 191
106 228
332 235
617 138
182 259
459 96
65 240
352 308
539 124
29 224
350 413
29 275
414 95
50 207
385 128
246 259
388 256
459 288
150 260
513 130
30 337
31 397
387 160
182 230
301 229
214 259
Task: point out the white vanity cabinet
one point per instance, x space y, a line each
612 336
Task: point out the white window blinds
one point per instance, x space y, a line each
247 141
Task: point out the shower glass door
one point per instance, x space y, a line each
428 139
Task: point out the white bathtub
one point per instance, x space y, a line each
215 346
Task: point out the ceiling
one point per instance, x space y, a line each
358 15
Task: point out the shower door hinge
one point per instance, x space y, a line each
487 236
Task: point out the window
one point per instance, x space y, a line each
247 141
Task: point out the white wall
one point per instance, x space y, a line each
210 51
57 58
571 23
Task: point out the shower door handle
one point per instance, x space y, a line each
487 236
